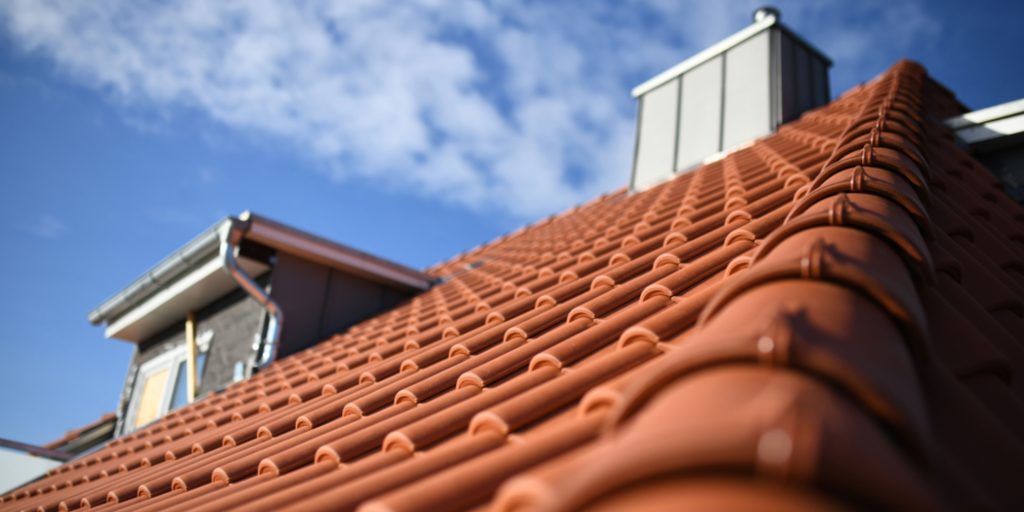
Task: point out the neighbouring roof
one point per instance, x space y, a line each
989 125
828 319
83 436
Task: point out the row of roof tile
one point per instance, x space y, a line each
828 319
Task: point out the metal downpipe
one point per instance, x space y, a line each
230 237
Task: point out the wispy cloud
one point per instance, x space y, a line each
207 175
45 226
510 105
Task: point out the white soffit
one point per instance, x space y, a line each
192 291
989 123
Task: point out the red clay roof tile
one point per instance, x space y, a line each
830 318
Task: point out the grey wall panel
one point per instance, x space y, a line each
299 287
172 336
701 113
787 78
235 320
804 88
656 141
350 300
819 74
774 81
319 302
747 112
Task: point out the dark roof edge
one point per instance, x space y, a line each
312 247
73 434
39 451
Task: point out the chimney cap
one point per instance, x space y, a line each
765 11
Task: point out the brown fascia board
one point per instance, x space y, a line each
314 248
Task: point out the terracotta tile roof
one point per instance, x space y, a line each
828 319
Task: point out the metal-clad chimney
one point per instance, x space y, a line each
733 92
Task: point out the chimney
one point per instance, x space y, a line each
733 92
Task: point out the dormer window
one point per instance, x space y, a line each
160 386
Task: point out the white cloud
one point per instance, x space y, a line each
511 105
207 175
863 38
46 226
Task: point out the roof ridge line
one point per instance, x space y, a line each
816 262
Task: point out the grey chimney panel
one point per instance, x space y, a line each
656 139
820 75
804 77
727 95
700 111
787 75
747 109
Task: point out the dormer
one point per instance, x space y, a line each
243 293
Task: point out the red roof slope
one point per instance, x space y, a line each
828 319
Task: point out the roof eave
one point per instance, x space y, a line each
191 276
989 125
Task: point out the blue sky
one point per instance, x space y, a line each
410 130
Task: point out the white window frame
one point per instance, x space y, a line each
168 360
